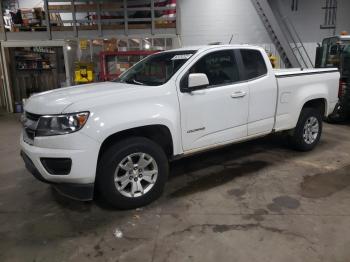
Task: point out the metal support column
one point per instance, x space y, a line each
8 93
178 22
152 17
2 25
91 47
66 64
47 17
126 25
74 16
99 25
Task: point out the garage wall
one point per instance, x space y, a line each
343 22
205 21
309 17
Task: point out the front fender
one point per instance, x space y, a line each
104 123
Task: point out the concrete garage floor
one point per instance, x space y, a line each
257 201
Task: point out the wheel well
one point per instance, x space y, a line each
319 104
159 134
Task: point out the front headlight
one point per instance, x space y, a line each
53 125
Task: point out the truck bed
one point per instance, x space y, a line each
300 71
297 86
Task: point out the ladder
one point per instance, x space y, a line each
294 41
284 36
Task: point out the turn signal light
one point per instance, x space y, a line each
82 118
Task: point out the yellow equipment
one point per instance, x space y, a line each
83 72
273 60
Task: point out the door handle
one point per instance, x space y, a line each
198 92
238 94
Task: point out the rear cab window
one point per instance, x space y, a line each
254 64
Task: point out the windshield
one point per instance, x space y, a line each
335 53
156 69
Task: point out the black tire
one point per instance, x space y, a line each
109 162
297 140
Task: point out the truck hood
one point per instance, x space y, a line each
55 101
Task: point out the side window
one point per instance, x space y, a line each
254 64
220 68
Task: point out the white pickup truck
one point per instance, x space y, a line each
118 137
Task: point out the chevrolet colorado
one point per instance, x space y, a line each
118 137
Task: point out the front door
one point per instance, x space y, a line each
218 113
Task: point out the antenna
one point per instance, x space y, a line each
230 39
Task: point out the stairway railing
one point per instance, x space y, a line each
296 43
284 36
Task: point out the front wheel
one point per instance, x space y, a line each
132 173
308 131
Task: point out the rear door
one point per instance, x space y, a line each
219 112
262 89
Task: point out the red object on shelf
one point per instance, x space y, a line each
105 75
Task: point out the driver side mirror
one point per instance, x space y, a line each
195 81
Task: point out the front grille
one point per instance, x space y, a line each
33 117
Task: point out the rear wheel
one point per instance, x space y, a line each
308 131
132 173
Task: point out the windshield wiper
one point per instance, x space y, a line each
133 81
137 82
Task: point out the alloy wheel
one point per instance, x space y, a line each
311 130
136 174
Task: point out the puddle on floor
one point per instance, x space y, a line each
216 179
325 184
283 202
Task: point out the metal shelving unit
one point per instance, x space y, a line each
65 20
69 19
